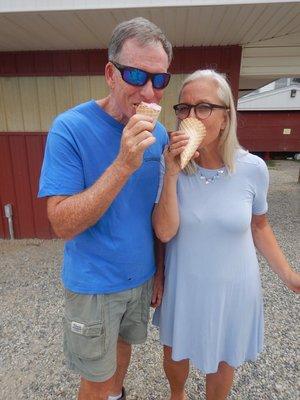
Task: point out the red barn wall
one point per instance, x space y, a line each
262 131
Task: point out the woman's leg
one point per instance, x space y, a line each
177 373
218 385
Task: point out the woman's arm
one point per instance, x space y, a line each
266 244
158 283
165 216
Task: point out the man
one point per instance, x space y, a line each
100 174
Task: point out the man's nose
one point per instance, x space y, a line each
147 91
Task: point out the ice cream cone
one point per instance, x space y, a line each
196 132
151 109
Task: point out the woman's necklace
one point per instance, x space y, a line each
213 178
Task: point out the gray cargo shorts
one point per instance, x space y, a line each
93 323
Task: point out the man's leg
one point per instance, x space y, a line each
94 390
177 373
218 385
133 330
123 360
92 324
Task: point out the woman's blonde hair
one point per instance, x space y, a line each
228 144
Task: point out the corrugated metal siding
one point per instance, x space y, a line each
29 104
263 130
92 62
50 63
20 162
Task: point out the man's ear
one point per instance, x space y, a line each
110 75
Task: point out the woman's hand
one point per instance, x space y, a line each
292 281
178 141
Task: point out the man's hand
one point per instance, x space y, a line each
136 138
158 289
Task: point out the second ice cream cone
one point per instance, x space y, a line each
196 132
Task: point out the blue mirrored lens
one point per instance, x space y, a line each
135 77
159 81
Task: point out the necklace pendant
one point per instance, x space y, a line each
212 179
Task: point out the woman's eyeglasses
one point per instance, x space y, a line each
138 77
202 110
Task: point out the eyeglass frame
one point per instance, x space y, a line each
150 75
211 106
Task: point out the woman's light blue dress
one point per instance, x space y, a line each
212 307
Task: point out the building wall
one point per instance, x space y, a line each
36 86
29 104
279 99
269 131
21 156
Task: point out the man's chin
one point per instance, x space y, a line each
126 117
129 113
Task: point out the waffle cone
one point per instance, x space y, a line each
145 109
196 132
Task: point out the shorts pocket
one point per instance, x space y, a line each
84 325
85 339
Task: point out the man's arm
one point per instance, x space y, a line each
71 215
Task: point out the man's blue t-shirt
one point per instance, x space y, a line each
117 252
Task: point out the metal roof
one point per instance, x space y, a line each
269 32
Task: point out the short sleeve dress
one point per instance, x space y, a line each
212 307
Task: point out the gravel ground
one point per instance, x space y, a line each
31 360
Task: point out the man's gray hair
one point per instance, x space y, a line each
144 31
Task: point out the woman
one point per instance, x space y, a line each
213 215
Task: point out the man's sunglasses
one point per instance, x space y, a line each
138 77
202 110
